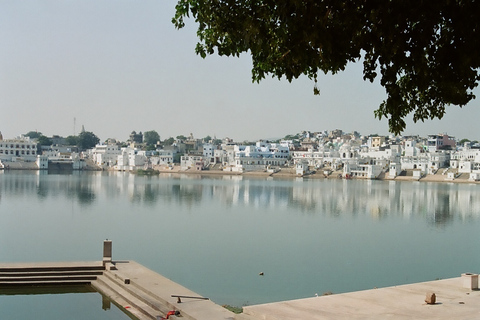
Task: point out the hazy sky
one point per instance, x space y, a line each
120 65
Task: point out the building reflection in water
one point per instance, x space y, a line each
438 203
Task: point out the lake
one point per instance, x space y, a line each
215 234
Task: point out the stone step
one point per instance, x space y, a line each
140 293
46 274
45 289
51 269
139 290
44 283
125 300
50 273
47 278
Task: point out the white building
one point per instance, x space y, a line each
427 163
228 155
466 160
18 149
209 153
365 168
392 153
220 156
192 161
163 157
411 149
261 156
42 162
130 159
313 158
208 150
301 168
106 154
394 170
66 158
418 162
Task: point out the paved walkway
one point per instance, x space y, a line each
453 301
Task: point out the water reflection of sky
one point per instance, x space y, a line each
438 203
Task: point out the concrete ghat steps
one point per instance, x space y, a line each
39 279
43 283
51 273
130 302
150 299
51 267
137 290
141 293
147 282
54 273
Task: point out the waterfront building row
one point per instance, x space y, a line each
354 157
14 153
371 161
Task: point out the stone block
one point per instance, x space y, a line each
470 281
431 298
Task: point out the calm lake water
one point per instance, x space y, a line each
215 235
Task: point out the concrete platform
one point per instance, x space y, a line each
137 290
147 295
453 301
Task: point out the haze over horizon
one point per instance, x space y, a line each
121 66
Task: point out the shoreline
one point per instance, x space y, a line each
286 173
334 175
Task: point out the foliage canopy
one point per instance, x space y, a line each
44 140
151 137
181 137
426 52
71 140
33 134
169 141
87 140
